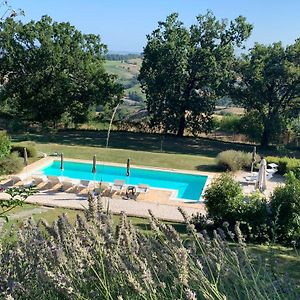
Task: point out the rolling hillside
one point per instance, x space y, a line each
127 72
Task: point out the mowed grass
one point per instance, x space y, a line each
142 158
52 214
155 150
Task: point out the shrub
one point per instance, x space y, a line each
225 202
10 164
5 144
253 213
30 147
285 206
223 198
96 260
230 123
285 164
233 160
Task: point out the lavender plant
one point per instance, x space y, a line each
94 259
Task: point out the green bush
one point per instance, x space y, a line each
223 198
285 164
30 147
11 164
5 144
285 206
255 218
230 123
233 160
225 202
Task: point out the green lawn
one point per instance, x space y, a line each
52 214
144 149
187 153
164 160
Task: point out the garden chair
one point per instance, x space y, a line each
272 168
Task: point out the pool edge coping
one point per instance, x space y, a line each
46 161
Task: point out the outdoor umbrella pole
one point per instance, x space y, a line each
61 164
253 158
25 160
94 170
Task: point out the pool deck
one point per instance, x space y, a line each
116 205
156 200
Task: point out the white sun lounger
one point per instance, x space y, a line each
39 178
253 178
67 184
117 185
54 180
142 188
17 178
21 180
83 184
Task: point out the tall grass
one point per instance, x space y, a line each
96 260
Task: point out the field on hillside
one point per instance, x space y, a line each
127 72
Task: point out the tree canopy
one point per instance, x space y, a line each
267 84
183 70
48 69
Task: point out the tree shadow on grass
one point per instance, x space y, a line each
136 141
208 168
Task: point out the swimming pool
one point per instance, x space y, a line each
186 186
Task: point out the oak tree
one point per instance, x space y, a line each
48 69
267 84
184 68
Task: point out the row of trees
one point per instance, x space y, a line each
185 70
50 69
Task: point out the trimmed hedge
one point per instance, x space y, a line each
232 160
31 150
285 164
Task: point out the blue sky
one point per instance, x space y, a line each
123 24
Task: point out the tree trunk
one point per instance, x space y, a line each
181 127
265 138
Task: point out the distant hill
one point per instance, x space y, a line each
127 72
120 57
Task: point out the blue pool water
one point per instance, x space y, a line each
189 186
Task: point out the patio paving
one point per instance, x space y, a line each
157 201
276 180
116 205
